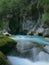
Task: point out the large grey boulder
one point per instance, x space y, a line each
24 46
39 31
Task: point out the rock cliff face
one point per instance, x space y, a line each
27 16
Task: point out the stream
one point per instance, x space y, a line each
30 50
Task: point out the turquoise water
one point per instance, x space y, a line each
35 39
35 56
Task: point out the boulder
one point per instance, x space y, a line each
46 49
7 34
46 32
24 46
40 31
6 44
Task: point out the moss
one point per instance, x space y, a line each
6 43
45 17
45 20
2 59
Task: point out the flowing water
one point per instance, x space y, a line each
29 51
22 61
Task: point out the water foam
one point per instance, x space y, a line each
21 61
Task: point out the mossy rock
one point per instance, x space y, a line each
46 35
6 44
3 59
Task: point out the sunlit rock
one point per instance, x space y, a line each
7 34
40 31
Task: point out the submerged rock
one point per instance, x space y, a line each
46 49
43 56
24 46
26 42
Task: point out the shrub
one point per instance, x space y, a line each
45 19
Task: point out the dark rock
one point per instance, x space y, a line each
40 31
46 32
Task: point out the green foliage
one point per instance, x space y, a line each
5 40
43 4
6 6
6 43
45 19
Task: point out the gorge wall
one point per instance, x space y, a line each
26 15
